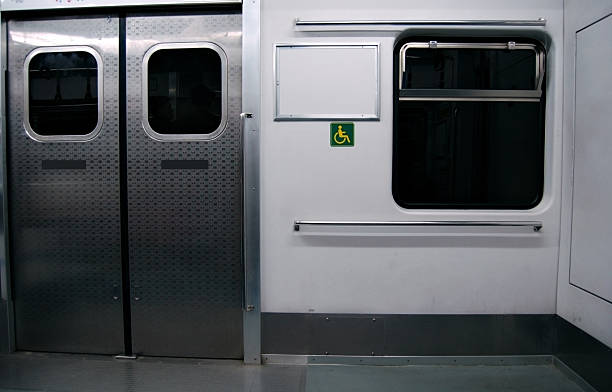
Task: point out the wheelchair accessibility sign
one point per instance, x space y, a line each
342 135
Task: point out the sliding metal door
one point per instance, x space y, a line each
184 184
182 204
63 158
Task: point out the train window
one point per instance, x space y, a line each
469 125
185 91
63 93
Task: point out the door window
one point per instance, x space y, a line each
185 91
63 94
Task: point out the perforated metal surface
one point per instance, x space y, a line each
65 228
185 226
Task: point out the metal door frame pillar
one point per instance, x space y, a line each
251 101
7 333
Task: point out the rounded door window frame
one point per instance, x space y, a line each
145 93
100 88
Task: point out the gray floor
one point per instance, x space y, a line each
55 372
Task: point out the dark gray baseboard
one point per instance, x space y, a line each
410 335
585 355
439 335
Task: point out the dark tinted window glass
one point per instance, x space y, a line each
468 154
185 94
63 93
479 69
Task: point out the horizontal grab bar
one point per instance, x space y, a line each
534 22
471 99
469 95
537 226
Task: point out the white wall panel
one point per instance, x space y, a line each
584 268
304 178
591 260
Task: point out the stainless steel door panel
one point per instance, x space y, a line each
65 223
185 225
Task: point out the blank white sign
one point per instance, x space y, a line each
327 82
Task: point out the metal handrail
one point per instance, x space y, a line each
245 293
459 22
537 226
469 95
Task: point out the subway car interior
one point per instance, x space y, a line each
321 196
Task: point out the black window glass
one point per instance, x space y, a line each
468 154
469 151
481 69
63 93
184 91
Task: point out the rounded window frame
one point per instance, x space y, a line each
183 137
26 94
490 42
